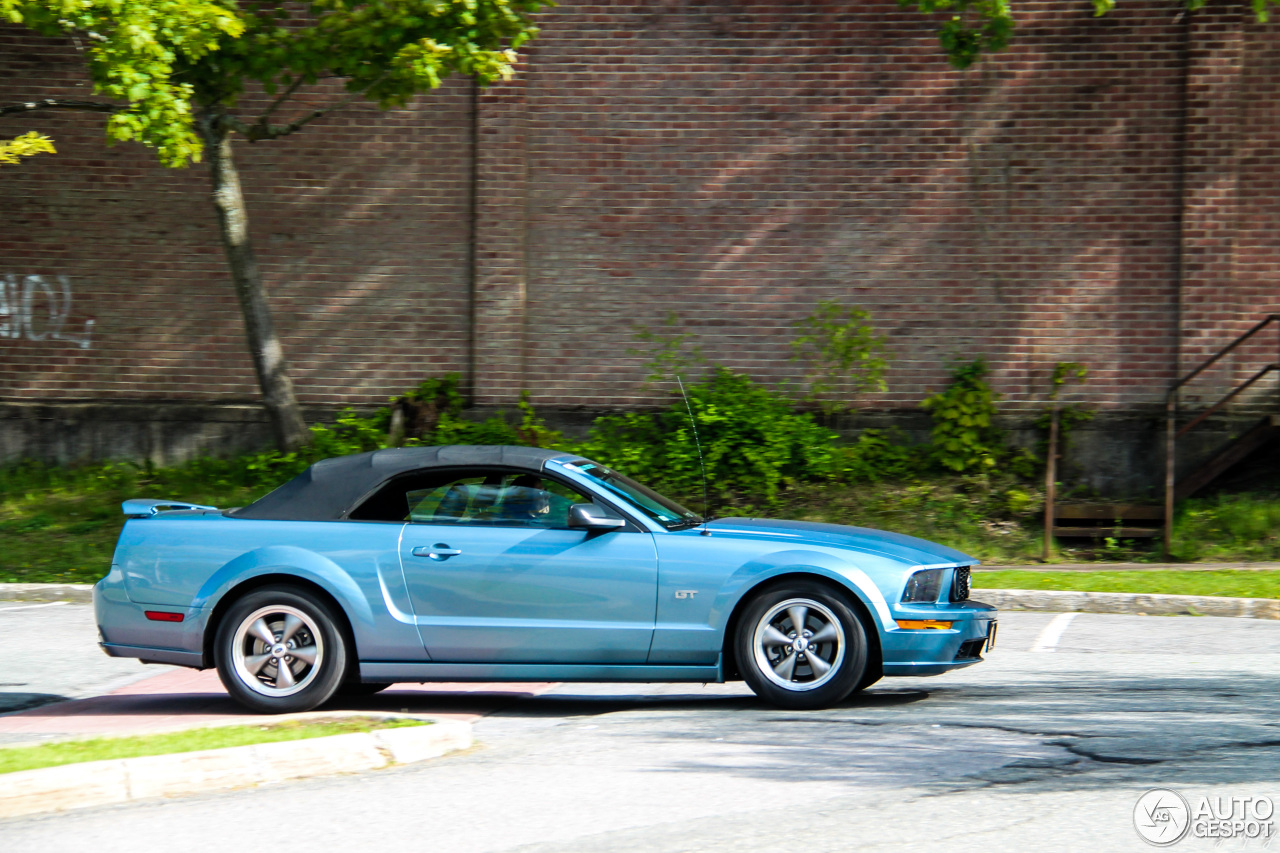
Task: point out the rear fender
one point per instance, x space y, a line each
294 562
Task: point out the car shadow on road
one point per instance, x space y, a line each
11 702
565 701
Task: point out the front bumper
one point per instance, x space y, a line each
933 651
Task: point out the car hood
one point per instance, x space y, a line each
895 546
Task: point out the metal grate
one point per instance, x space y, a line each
960 584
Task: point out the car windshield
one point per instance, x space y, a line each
661 509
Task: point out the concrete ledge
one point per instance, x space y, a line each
78 592
1237 566
1133 603
100 783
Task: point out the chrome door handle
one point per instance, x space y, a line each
438 551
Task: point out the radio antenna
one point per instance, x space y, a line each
701 464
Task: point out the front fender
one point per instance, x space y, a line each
702 579
765 568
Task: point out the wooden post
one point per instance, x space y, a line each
1050 484
1171 418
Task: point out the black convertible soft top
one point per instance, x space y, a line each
330 489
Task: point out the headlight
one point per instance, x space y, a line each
924 586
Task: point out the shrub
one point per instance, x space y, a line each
874 457
843 353
965 437
753 443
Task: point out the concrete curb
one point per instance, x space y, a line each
1132 603
100 783
1238 566
77 592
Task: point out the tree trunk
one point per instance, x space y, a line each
264 345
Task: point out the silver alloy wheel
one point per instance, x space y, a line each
799 644
277 650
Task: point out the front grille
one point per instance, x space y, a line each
971 649
960 584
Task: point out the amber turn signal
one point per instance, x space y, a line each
923 624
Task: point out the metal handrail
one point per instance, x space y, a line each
1227 399
1223 352
1172 434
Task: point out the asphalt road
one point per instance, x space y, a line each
49 651
1046 746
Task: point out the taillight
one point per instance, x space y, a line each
163 616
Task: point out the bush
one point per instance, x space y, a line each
874 457
964 435
753 443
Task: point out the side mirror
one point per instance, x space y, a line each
592 517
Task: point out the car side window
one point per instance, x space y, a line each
507 500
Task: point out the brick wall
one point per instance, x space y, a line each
738 162
1102 192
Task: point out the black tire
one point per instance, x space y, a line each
356 689
298 621
795 680
873 673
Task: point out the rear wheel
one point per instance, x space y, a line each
279 650
801 646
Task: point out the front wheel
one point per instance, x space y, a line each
801 646
279 650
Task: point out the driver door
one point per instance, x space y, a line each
496 575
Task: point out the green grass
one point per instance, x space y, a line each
1229 527
60 525
1235 584
13 759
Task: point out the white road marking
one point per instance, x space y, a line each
32 606
1052 633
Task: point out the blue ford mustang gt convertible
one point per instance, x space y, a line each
520 564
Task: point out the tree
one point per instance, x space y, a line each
182 66
985 26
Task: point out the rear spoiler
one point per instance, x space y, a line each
140 508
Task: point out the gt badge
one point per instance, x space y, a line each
686 593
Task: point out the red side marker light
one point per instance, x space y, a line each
163 616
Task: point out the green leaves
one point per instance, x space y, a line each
172 60
977 27
964 435
843 352
753 442
974 28
385 51
133 50
24 146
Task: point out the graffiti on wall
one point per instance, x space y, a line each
37 309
